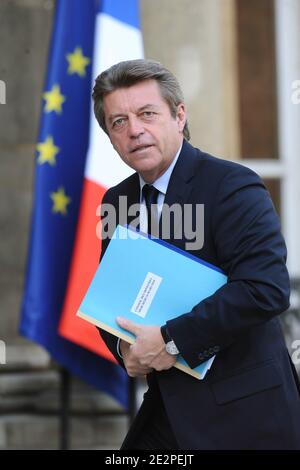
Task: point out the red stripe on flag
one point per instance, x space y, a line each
85 261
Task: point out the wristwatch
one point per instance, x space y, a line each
171 347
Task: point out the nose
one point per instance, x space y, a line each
135 127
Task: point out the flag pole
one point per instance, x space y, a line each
65 402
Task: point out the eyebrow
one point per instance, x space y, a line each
142 108
147 106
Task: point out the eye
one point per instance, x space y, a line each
118 122
148 114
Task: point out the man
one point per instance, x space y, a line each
249 399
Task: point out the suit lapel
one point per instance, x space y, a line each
179 187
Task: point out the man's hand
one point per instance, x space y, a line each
149 347
132 364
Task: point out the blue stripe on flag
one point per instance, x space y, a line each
126 11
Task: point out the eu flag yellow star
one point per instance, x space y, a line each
77 62
60 201
54 100
47 151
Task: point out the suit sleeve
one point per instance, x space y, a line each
252 252
110 340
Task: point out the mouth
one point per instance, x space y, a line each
140 148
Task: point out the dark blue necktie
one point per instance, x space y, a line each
150 194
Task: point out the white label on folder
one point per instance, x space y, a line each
146 295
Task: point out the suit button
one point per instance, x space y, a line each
216 349
206 354
200 355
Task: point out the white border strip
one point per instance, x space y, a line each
287 14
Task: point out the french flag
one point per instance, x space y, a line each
117 37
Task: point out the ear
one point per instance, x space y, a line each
181 116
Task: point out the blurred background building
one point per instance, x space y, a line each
238 63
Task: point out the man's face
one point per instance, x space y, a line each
141 128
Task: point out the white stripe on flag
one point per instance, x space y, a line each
114 41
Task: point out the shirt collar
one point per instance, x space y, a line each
161 184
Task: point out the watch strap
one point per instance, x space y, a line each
165 334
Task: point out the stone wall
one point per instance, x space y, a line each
24 34
196 40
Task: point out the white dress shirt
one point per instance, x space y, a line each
161 184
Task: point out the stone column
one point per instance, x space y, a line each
196 41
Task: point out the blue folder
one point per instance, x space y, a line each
147 281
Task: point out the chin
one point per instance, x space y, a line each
144 171
145 164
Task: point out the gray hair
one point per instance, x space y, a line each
128 73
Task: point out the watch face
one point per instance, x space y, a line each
171 348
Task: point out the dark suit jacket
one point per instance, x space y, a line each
249 399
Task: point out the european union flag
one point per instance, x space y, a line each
60 160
